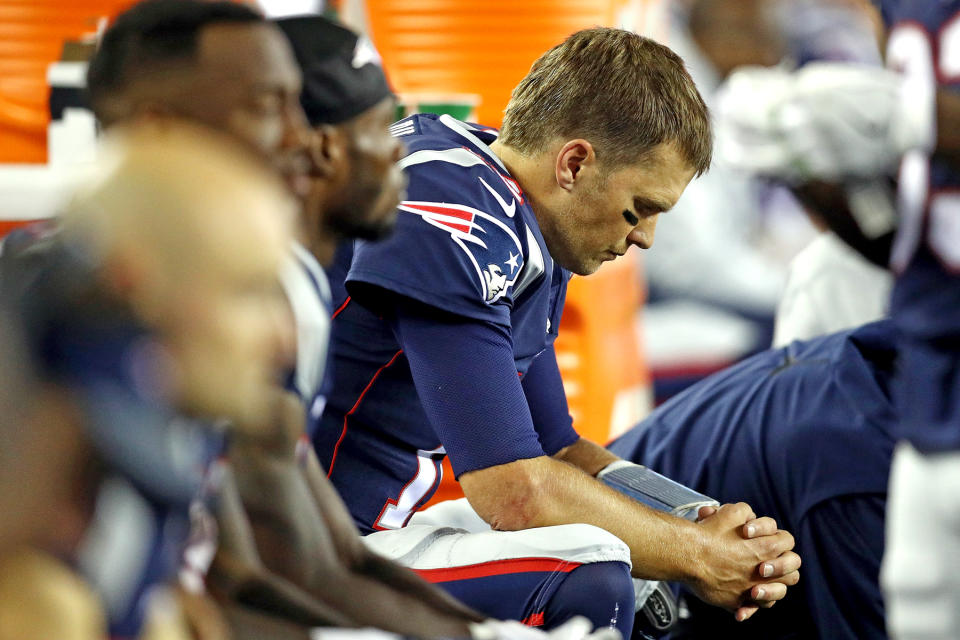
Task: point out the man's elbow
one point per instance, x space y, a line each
510 497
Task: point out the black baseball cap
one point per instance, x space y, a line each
342 72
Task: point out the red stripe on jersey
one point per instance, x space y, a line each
341 308
533 620
446 211
497 568
356 405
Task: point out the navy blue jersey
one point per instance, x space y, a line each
803 434
924 43
466 268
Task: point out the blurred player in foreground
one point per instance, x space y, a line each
443 345
843 123
165 268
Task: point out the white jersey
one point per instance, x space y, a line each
308 291
829 288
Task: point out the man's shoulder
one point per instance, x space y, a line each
452 171
459 187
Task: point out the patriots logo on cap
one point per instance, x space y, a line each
365 53
486 241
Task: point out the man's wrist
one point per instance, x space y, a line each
697 552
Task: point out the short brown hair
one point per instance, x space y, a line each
624 93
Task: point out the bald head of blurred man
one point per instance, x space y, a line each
191 230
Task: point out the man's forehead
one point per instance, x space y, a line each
257 51
655 184
246 232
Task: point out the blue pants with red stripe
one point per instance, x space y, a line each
544 592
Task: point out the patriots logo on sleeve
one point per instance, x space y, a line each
492 247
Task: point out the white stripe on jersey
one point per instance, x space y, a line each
533 266
402 127
458 156
403 131
461 129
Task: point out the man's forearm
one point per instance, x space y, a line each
233 580
372 602
542 492
662 547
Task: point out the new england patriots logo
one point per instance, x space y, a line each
496 282
486 241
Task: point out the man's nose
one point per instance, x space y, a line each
642 235
296 130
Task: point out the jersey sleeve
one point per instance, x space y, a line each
464 373
547 400
455 246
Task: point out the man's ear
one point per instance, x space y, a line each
327 150
573 157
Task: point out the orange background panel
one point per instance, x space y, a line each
32 33
597 348
480 47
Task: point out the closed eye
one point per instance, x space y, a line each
650 206
631 219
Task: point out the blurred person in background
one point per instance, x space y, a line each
843 125
349 107
818 418
218 63
714 265
831 286
724 261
